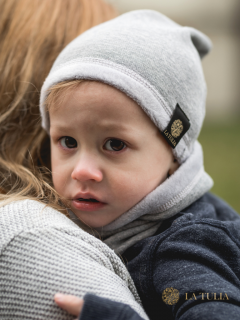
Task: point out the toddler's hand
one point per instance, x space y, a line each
71 304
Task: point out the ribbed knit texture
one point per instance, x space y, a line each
42 253
150 58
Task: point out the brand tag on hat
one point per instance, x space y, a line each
177 127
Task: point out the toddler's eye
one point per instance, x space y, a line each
115 145
68 142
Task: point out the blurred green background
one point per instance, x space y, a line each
221 147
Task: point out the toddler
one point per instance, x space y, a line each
124 104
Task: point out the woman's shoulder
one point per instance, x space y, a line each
45 249
24 216
28 217
31 216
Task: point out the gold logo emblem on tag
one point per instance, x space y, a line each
170 296
176 128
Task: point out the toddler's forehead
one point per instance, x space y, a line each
93 103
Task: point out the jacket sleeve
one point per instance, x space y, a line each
199 260
49 254
105 309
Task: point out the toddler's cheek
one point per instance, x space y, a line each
132 189
59 182
128 191
60 175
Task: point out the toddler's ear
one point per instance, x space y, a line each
174 166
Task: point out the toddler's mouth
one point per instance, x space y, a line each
88 200
87 204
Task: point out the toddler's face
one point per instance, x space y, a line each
106 153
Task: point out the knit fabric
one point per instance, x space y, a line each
184 187
149 57
42 252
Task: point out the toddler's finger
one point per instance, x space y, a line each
71 304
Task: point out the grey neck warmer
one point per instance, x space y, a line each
180 190
157 63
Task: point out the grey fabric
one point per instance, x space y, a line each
149 57
184 187
42 252
157 63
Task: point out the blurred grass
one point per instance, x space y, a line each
221 147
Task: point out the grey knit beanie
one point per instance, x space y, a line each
150 58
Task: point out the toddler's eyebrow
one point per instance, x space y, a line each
106 126
121 127
111 125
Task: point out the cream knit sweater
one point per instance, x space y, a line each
42 253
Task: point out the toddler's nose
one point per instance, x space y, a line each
86 169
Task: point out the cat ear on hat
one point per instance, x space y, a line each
201 42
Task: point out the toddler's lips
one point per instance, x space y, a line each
87 204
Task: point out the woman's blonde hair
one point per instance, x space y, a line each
32 34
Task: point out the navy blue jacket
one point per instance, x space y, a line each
189 270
